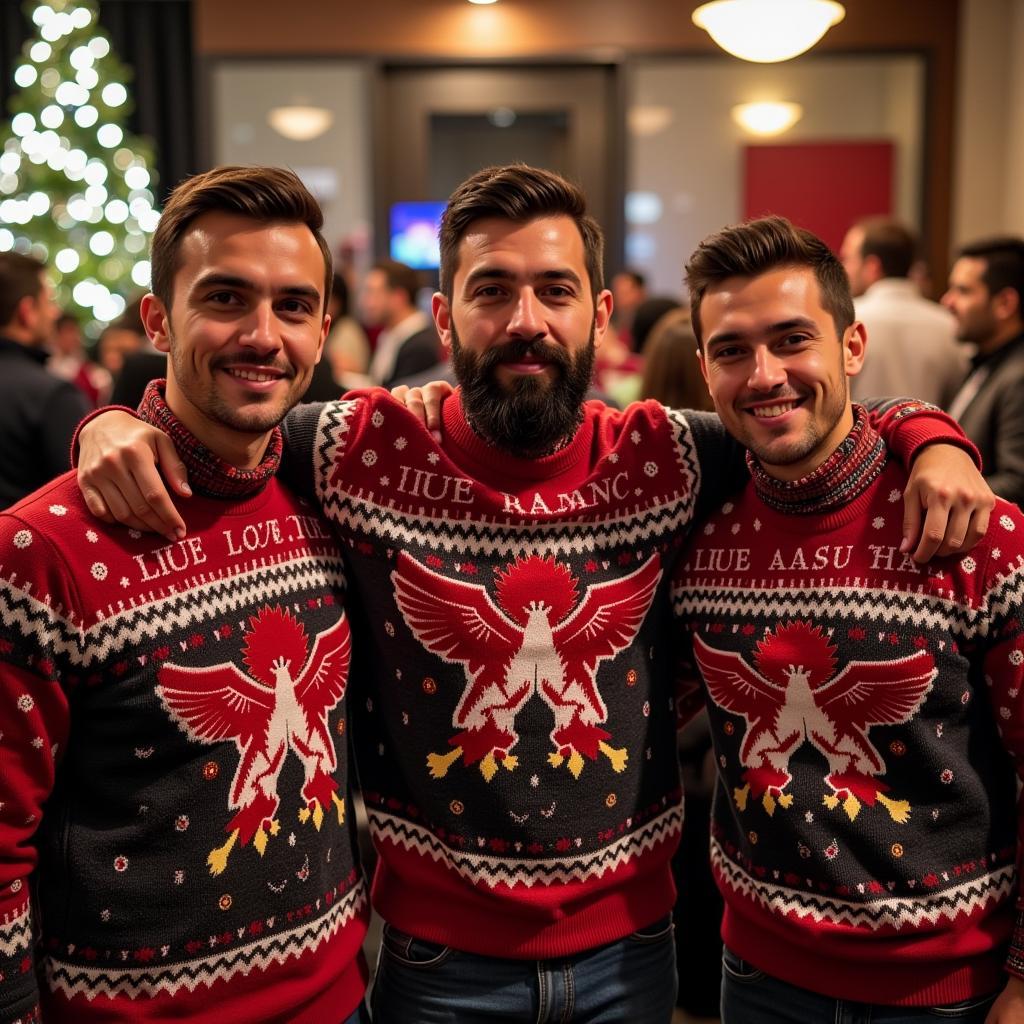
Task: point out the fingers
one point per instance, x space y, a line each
933 532
148 501
173 468
957 525
94 502
400 394
434 395
912 516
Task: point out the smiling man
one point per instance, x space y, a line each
865 709
516 742
173 771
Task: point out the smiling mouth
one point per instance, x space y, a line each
778 408
256 376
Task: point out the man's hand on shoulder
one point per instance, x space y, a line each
946 504
119 466
425 403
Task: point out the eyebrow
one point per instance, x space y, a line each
219 280
776 328
501 274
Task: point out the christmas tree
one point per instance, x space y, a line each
76 190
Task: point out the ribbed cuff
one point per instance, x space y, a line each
1015 954
919 425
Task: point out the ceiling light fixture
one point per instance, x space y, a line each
300 123
766 31
767 118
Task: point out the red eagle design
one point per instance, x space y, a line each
793 698
539 638
282 704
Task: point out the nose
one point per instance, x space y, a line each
768 371
947 300
527 320
260 330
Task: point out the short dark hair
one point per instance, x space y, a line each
262 193
400 276
1004 264
520 193
20 275
757 246
892 243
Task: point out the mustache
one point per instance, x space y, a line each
517 351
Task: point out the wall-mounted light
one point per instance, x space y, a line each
648 119
483 3
300 122
766 31
767 118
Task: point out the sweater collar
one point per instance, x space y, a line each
208 473
495 463
844 475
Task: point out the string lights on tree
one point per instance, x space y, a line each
76 190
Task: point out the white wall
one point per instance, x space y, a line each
335 166
694 163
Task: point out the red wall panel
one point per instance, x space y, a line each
822 186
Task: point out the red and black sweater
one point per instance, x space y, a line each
868 729
174 825
512 702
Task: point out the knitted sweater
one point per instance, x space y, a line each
866 718
173 762
516 746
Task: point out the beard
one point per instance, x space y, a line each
531 417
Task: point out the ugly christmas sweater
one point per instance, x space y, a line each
866 717
516 742
174 826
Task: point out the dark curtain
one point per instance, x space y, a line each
154 38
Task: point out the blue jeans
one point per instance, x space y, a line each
631 980
750 996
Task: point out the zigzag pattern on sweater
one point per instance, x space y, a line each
505 536
16 931
904 912
75 980
832 601
135 622
495 871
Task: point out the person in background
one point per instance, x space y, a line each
913 340
347 350
671 372
38 410
629 289
986 295
70 361
408 341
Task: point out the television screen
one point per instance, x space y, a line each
414 228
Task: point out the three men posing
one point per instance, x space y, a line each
524 843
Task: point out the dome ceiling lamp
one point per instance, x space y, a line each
300 122
768 117
767 31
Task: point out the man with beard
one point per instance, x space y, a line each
986 295
516 743
865 709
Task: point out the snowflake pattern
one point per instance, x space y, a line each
91 536
968 565
433 458
369 457
651 468
38 743
135 534
878 522
22 539
757 525
121 863
635 437
1016 657
735 528
25 703
400 443
946 776
377 419
98 570
709 529
125 582
16 885
59 510
534 781
894 496
179 877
